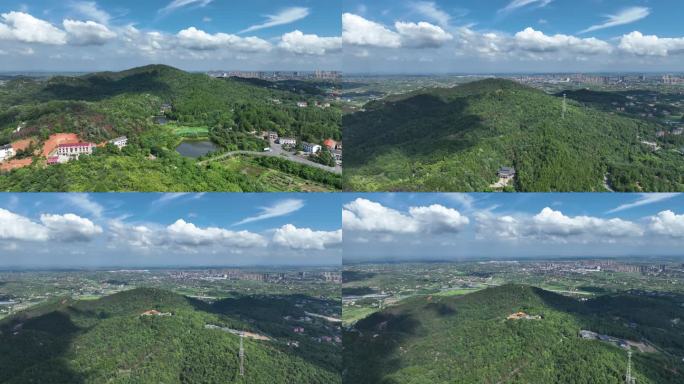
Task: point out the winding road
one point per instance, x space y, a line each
276 151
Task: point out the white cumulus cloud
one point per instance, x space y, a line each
667 223
184 233
17 227
369 216
23 27
650 45
87 32
532 40
358 31
554 225
70 227
196 39
309 44
422 34
305 238
63 228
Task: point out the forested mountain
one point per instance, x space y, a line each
117 339
456 139
470 339
101 106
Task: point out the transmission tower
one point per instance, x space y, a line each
242 356
628 377
565 106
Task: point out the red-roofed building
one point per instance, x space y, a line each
53 160
75 149
330 143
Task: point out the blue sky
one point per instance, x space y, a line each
215 16
474 36
141 229
494 226
84 35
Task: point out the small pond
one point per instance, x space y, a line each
196 148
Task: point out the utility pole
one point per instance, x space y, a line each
242 356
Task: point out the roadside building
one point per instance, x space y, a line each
506 172
75 149
338 155
273 136
58 159
119 141
6 152
330 143
589 335
302 104
312 148
287 141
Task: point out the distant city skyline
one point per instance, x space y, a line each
197 35
454 226
76 230
504 36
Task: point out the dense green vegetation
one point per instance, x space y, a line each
468 339
107 340
455 139
635 103
102 106
149 164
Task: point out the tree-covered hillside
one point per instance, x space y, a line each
101 106
469 339
456 139
111 340
105 105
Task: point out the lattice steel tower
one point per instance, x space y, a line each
565 106
242 356
628 377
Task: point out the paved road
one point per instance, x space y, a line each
276 151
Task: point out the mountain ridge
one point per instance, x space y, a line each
456 139
152 335
513 333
